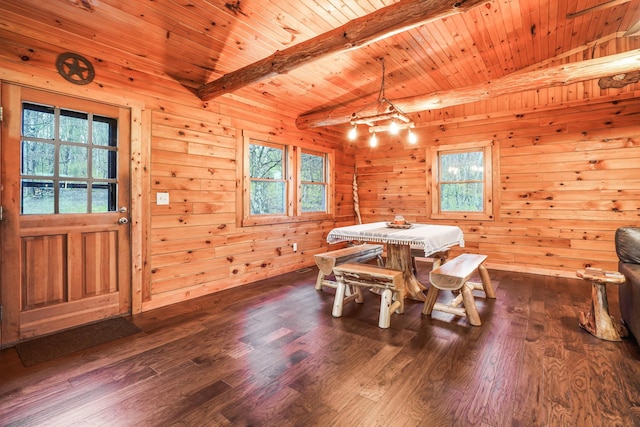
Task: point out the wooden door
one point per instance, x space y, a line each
65 234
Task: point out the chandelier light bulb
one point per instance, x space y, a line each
413 138
353 133
393 127
385 118
373 141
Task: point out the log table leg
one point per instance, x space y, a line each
598 321
399 258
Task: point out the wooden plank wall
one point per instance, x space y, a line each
568 175
196 246
187 148
583 153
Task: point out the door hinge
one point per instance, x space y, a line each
1 111
0 312
0 213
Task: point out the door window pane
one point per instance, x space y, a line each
37 158
73 161
103 197
73 197
38 121
103 163
37 196
74 127
56 144
103 132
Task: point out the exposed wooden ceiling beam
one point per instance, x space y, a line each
605 5
518 82
382 23
619 80
634 30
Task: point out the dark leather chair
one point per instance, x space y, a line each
628 250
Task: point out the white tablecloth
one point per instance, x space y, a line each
431 238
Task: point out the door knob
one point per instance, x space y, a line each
123 221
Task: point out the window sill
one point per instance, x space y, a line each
272 219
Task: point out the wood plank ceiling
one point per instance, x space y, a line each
198 41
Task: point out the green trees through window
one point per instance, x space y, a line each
284 182
68 161
266 171
314 183
462 181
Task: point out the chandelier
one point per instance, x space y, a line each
387 117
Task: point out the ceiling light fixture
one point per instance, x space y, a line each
373 141
353 133
412 137
387 118
393 127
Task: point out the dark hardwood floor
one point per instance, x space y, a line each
271 354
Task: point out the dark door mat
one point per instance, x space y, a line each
51 347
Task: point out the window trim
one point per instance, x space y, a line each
300 182
293 191
490 158
286 173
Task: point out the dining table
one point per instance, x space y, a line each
399 240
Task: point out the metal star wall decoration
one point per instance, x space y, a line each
75 68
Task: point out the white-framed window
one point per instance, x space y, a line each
284 182
462 181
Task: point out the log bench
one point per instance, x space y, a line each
356 253
438 258
358 276
454 276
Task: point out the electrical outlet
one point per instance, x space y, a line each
162 198
295 247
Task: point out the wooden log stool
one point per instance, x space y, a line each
358 276
454 276
356 253
598 321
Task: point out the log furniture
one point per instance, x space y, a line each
357 276
399 241
438 258
628 250
357 253
454 276
598 321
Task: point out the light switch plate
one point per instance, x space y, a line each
162 198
